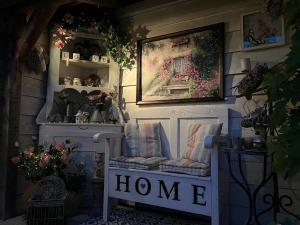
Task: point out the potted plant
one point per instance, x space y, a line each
39 161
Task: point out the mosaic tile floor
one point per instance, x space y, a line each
130 216
124 216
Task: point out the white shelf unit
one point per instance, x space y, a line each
85 63
107 72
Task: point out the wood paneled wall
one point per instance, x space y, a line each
181 15
33 95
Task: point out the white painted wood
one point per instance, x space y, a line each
185 190
173 121
173 16
106 202
164 15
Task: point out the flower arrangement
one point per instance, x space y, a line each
61 36
39 161
98 99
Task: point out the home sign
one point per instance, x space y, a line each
166 191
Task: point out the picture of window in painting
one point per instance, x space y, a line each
182 67
260 30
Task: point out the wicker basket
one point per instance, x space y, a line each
46 206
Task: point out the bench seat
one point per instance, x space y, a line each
141 163
185 166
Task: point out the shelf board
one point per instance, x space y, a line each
90 36
85 63
84 88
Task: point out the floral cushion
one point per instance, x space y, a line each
136 162
143 140
195 149
185 166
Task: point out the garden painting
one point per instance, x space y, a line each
186 66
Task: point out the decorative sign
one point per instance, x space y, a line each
170 192
65 55
104 59
76 56
95 58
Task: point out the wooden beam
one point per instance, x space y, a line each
37 24
101 3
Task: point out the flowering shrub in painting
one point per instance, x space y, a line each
199 86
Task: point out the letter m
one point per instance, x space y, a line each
163 188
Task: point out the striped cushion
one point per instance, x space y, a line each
150 144
136 162
185 166
195 149
132 140
143 140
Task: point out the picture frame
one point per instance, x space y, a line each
185 66
259 30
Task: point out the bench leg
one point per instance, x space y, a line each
106 208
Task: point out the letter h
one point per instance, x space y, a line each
119 182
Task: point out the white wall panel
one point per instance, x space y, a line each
180 15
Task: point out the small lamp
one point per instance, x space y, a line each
245 65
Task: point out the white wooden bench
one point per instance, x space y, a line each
194 194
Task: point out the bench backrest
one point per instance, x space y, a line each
174 123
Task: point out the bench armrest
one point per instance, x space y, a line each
211 140
101 136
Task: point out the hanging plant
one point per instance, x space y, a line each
119 42
119 45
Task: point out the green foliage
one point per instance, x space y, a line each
206 55
283 87
121 47
39 161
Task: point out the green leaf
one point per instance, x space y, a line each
280 161
278 114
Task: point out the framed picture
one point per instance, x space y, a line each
182 67
259 30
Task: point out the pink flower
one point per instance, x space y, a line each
60 147
45 158
59 43
65 157
29 152
15 159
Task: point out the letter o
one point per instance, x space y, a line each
137 186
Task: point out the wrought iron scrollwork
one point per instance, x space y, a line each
274 201
283 205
